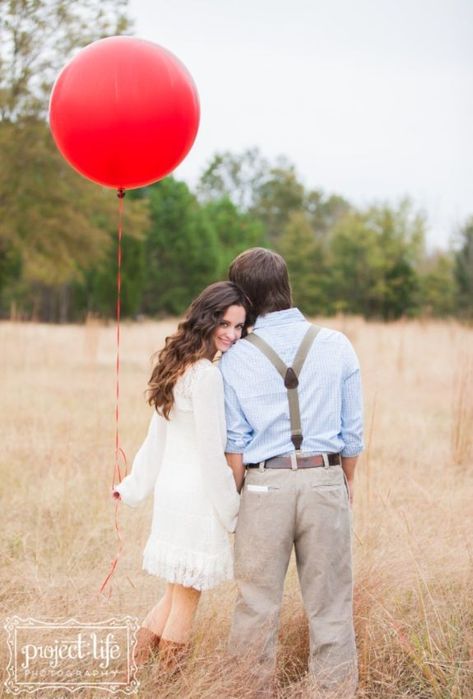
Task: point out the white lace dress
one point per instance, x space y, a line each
195 498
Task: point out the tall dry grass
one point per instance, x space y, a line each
413 509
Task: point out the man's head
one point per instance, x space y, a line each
262 275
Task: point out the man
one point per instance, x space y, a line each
293 443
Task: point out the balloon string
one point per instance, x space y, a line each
114 562
118 450
119 453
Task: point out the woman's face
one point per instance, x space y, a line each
229 329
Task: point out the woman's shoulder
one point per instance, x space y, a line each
205 370
194 373
199 367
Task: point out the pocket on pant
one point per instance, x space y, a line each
253 488
325 487
325 479
331 486
328 481
250 506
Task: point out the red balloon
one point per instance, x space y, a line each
124 112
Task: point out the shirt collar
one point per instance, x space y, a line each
290 315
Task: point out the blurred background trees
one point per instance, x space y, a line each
58 243
464 270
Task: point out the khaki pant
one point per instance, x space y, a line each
308 509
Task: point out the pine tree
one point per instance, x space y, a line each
181 252
235 230
304 255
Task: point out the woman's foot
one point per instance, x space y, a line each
147 643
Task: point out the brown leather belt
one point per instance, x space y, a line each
302 461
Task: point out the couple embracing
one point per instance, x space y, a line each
263 443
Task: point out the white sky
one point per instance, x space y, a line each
371 99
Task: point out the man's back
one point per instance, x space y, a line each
329 390
299 500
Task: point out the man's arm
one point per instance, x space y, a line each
239 432
352 417
235 461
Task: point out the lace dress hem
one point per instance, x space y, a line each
186 567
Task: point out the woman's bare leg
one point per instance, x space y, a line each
178 626
156 619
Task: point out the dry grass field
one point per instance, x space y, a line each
413 510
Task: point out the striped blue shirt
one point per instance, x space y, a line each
330 397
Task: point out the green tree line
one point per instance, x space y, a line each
58 232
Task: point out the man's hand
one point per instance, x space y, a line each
348 465
351 485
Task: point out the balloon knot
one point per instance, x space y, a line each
120 193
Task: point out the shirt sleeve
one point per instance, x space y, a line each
209 416
239 431
135 487
352 404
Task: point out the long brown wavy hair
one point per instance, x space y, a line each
192 341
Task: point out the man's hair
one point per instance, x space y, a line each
262 275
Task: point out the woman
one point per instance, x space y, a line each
182 458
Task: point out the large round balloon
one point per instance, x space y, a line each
124 112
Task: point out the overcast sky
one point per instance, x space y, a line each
371 99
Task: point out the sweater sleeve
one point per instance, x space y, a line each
135 487
209 416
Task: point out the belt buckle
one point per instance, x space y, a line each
325 460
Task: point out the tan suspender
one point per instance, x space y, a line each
290 376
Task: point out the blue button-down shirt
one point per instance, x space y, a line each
256 404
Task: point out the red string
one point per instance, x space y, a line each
119 453
118 449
